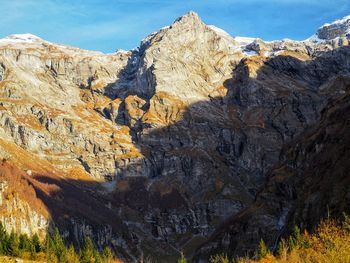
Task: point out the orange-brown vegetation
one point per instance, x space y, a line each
19 183
329 243
27 161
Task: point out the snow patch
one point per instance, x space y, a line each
20 38
241 44
122 51
219 31
164 28
250 53
338 21
288 40
278 52
314 39
148 38
243 41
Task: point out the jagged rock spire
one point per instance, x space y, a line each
191 19
190 16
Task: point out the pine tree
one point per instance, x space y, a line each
295 239
13 245
297 235
24 242
87 253
346 223
58 243
36 243
54 247
98 257
59 246
107 255
3 239
262 250
72 256
279 250
50 249
182 259
282 250
32 252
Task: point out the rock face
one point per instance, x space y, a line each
174 143
339 28
310 182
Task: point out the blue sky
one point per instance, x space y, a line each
107 25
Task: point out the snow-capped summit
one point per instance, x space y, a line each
338 21
22 40
29 38
338 28
219 31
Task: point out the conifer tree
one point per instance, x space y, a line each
50 249
297 235
3 239
262 249
279 250
54 247
36 243
295 239
182 259
59 246
24 242
98 257
72 256
13 245
32 252
107 255
87 253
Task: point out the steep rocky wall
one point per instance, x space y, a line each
309 184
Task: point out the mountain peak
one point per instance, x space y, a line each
27 37
189 18
22 40
337 28
189 15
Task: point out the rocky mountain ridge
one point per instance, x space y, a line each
165 143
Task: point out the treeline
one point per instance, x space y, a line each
329 243
53 249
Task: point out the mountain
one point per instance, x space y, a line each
194 141
338 30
